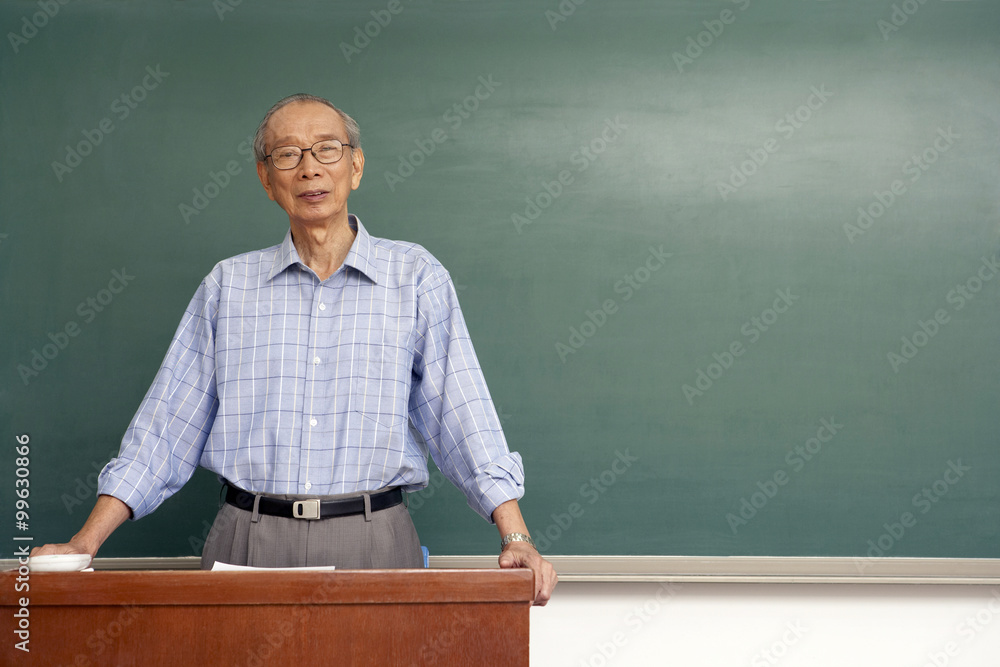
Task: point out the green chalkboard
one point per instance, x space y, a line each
730 267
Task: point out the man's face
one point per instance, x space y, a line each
312 193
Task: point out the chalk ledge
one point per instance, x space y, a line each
714 569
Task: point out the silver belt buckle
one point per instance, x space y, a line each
306 509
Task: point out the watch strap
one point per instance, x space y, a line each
516 537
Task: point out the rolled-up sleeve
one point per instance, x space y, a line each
450 404
164 442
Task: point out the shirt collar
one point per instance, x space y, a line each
360 257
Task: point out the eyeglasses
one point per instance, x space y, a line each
288 157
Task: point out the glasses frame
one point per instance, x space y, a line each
302 153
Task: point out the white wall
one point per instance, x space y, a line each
767 625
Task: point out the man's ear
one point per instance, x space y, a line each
265 179
358 163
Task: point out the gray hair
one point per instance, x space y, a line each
353 131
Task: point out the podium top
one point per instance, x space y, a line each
159 587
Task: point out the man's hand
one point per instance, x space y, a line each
108 514
519 553
70 547
522 554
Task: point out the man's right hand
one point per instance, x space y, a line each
70 547
107 515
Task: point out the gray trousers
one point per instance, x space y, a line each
383 539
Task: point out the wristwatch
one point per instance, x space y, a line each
517 537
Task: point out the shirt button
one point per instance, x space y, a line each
313 422
322 306
308 485
315 360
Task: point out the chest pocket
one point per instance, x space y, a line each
381 388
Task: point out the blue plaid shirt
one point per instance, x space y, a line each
282 383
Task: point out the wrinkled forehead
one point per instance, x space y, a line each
303 124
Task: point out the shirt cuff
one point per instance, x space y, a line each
114 481
498 482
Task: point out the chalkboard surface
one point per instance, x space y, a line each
731 268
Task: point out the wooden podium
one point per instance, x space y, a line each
348 617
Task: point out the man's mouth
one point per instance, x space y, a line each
313 195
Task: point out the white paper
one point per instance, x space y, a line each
219 566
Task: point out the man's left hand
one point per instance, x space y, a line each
522 554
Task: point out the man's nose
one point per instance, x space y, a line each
309 166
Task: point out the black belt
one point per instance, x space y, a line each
313 508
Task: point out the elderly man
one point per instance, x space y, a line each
313 377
